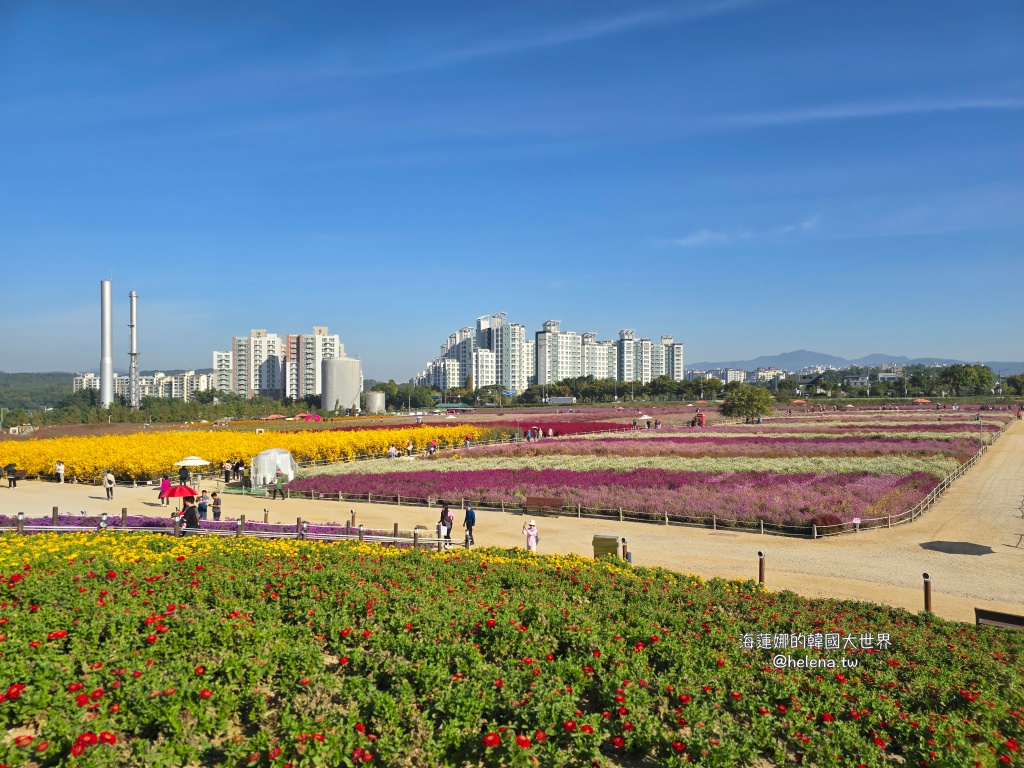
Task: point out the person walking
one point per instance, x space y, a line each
469 523
12 476
165 486
108 483
59 471
204 505
238 467
277 485
530 531
216 506
183 476
446 523
228 467
190 516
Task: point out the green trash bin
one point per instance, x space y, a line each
605 545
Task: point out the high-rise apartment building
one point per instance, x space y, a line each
552 355
304 355
600 359
559 353
222 367
180 386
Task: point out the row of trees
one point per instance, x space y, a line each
920 380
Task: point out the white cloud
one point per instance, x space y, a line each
863 110
710 237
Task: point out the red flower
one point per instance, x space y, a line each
523 741
762 710
205 693
82 699
366 634
679 746
89 738
596 654
408 625
498 683
491 622
150 638
367 757
200 670
736 695
42 746
274 753
106 737
97 694
492 740
879 742
684 698
72 687
569 725
77 748
57 634
304 681
827 718
111 574
721 662
540 736
618 742
343 660
782 709
24 740
588 729
346 632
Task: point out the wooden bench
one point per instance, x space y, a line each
542 504
997 619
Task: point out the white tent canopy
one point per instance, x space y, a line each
191 461
266 464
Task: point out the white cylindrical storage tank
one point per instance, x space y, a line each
375 402
106 344
339 384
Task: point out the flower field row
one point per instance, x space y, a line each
793 499
154 651
895 464
738 445
148 455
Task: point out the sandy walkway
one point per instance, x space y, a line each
984 509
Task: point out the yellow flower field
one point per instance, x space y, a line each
148 455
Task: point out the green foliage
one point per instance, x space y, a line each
748 402
255 653
29 391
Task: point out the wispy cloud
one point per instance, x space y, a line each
597 28
711 237
863 110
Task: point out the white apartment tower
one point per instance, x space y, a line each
258 365
559 354
304 355
599 358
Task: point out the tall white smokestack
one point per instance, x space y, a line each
133 352
106 345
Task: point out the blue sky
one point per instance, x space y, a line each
753 176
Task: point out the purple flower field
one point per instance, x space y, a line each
775 498
753 446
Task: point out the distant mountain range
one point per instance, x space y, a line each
802 358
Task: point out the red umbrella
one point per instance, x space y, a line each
179 490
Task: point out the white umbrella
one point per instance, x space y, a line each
191 461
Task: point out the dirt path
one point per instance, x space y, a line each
982 513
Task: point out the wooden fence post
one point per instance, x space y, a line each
814 530
666 517
415 539
760 567
353 517
124 516
762 526
54 521
369 498
395 534
20 525
238 528
502 505
339 496
620 514
298 527
360 533
714 522
266 516
467 540
399 497
177 526
438 537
